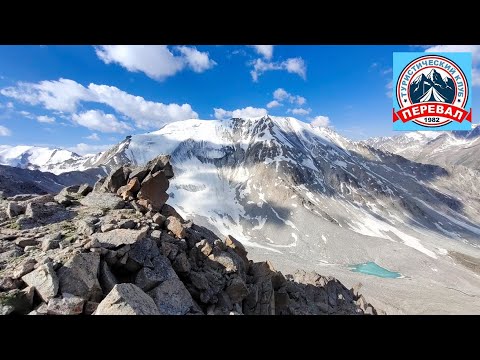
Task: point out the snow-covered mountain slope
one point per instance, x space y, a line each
35 157
309 197
451 149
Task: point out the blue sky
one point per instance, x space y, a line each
85 97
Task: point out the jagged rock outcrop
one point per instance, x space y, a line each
122 250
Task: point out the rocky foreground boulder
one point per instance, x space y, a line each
119 249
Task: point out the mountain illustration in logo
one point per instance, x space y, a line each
432 88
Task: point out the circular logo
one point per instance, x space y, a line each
432 85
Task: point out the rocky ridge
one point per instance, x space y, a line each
117 248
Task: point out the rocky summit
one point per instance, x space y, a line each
118 248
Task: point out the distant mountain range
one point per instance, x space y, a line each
432 87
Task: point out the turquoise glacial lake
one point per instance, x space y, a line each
371 268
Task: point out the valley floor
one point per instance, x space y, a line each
453 287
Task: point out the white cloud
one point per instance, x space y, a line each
300 100
93 137
299 111
45 119
65 95
198 61
156 61
474 49
273 103
84 149
389 87
296 66
320 121
292 65
146 114
265 50
61 95
248 112
281 94
10 105
98 120
4 131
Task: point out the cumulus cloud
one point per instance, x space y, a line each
282 95
93 136
320 121
265 50
4 131
299 111
84 149
98 120
474 49
45 119
66 95
61 95
196 60
156 61
292 65
273 103
248 112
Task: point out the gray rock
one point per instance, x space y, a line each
161 162
23 242
139 173
67 195
159 219
51 241
148 278
172 297
84 189
78 276
116 179
68 305
14 209
181 264
8 283
156 235
40 310
237 290
176 227
98 186
199 280
90 307
24 268
227 261
20 301
127 299
143 250
107 227
86 225
44 280
22 197
127 224
169 250
103 201
118 237
107 279
6 309
38 211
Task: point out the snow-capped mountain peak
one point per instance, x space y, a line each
35 157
